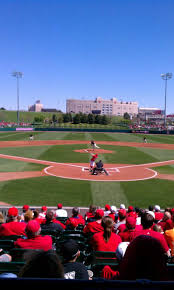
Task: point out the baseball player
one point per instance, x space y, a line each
31 137
92 162
94 145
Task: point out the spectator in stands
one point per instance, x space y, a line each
157 228
42 264
43 212
60 212
106 240
73 224
24 210
144 259
72 268
1 218
158 214
90 215
49 224
28 216
169 236
147 221
36 216
34 239
121 221
166 222
95 226
131 212
76 215
139 212
12 226
113 214
121 249
129 233
107 210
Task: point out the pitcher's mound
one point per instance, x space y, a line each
98 151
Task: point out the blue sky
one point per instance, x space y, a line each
86 48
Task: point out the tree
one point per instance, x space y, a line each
91 119
54 118
98 119
76 119
126 116
66 118
38 119
105 120
84 118
60 119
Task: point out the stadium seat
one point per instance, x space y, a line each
99 259
13 237
18 254
6 244
11 267
62 219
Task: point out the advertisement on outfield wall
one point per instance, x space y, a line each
24 129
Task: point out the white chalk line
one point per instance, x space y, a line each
105 180
82 167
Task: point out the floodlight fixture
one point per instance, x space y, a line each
165 77
17 75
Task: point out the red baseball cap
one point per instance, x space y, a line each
130 208
122 212
131 222
107 207
32 226
44 208
13 211
99 213
59 205
25 207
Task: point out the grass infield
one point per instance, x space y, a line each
50 190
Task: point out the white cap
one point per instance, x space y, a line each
157 207
122 206
152 213
113 208
121 249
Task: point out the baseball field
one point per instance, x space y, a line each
54 168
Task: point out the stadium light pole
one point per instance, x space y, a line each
165 77
17 75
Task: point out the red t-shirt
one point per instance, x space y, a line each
159 215
128 235
13 228
79 219
99 244
156 235
93 227
38 242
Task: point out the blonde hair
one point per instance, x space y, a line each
1 218
28 216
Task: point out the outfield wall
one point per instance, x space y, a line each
168 132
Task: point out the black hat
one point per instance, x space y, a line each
70 249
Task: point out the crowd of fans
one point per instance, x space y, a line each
150 126
142 239
4 124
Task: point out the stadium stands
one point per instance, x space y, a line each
97 260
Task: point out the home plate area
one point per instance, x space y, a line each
117 172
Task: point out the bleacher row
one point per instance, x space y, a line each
94 261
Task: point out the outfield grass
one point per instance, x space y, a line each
51 190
